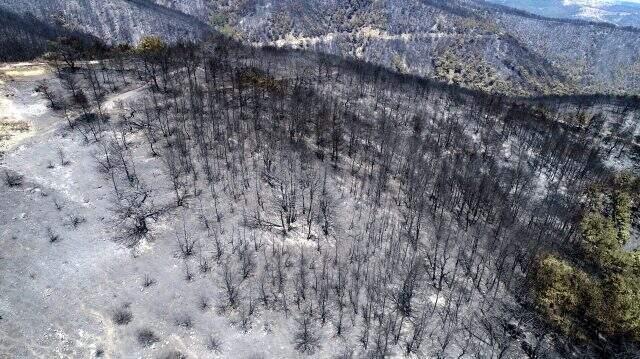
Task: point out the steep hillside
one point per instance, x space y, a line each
289 204
601 58
466 42
27 37
196 8
225 199
112 21
472 43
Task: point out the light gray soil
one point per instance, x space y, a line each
57 299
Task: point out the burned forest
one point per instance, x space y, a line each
265 202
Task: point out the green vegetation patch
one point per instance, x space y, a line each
150 45
451 67
257 78
602 297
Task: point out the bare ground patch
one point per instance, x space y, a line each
23 70
10 130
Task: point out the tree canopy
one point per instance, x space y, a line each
601 295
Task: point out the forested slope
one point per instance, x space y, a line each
340 209
119 21
470 43
26 37
436 180
465 42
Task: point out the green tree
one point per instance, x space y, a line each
605 296
150 46
562 293
622 216
151 49
622 308
599 239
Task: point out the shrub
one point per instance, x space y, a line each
147 281
203 304
146 337
185 322
122 316
214 343
76 220
52 236
12 180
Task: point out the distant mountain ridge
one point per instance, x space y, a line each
620 13
467 42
